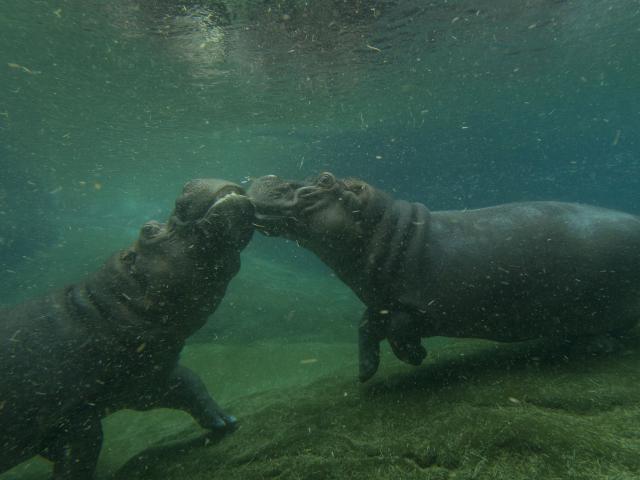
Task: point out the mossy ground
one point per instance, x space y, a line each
476 410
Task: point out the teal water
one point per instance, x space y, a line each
108 108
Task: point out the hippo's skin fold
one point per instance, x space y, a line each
113 340
508 273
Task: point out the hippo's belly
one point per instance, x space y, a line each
512 314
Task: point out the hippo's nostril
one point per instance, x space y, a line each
326 180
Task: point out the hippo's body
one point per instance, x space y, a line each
511 272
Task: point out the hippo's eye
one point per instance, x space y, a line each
151 229
326 180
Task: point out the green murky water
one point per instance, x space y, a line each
108 108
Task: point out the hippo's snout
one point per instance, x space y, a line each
232 216
215 210
199 195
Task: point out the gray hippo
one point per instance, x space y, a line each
507 273
113 340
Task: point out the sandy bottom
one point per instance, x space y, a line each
474 410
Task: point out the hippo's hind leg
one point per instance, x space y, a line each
186 391
75 447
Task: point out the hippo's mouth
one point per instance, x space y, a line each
279 202
231 215
227 197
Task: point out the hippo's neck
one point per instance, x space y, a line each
114 301
380 265
398 250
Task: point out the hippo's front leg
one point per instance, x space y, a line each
402 331
187 392
370 333
75 447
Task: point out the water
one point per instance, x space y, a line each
108 108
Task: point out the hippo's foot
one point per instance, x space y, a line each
408 350
222 422
74 447
369 359
187 392
403 333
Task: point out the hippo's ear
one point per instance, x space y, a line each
356 192
356 186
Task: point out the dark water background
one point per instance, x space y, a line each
108 108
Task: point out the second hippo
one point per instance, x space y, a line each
511 272
113 340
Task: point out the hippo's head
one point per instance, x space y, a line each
183 266
319 212
341 222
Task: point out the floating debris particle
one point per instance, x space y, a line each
514 400
14 337
616 139
375 49
307 361
17 66
97 186
141 347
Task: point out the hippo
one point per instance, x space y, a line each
113 340
507 273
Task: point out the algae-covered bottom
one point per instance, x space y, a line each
475 410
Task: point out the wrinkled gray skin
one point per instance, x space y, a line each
113 340
507 273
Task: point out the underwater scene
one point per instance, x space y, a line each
393 239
